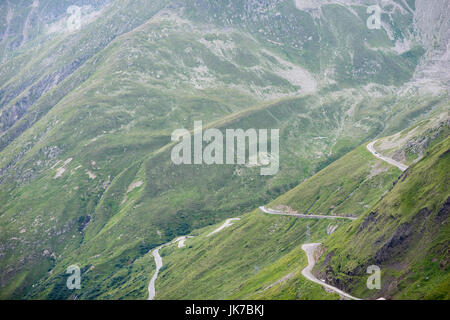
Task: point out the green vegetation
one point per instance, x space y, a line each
85 125
241 261
347 187
406 234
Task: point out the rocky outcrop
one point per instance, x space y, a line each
15 112
27 22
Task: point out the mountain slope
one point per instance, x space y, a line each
86 117
406 234
191 272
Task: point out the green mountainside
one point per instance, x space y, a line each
86 116
260 256
353 246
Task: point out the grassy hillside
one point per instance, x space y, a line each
256 249
347 187
406 234
88 210
256 252
258 257
86 118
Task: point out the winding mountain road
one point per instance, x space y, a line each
309 248
399 165
298 215
159 264
181 240
226 224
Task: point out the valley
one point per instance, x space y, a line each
91 93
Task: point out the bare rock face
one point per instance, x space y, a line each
20 25
432 28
